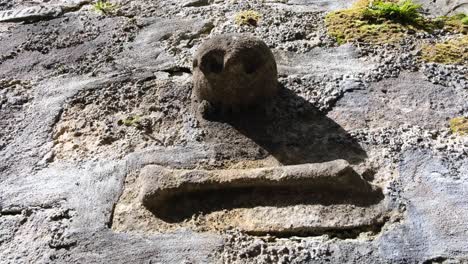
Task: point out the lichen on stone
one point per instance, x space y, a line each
459 125
454 51
376 22
104 7
248 17
131 120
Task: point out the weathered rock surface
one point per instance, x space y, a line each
314 5
32 13
433 224
89 103
394 102
323 62
444 7
152 53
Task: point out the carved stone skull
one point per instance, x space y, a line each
232 71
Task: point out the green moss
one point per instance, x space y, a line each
453 51
376 22
104 7
248 17
459 125
455 23
404 11
351 25
465 20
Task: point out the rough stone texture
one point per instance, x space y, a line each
153 54
38 11
88 101
394 102
321 62
313 5
234 71
31 13
444 7
431 224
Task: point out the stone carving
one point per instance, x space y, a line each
233 71
267 199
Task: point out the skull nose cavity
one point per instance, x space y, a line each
251 61
213 62
251 64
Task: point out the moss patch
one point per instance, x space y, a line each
454 51
404 11
376 22
456 23
459 125
248 17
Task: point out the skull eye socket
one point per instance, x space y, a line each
250 68
213 62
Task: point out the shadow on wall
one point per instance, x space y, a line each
294 131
